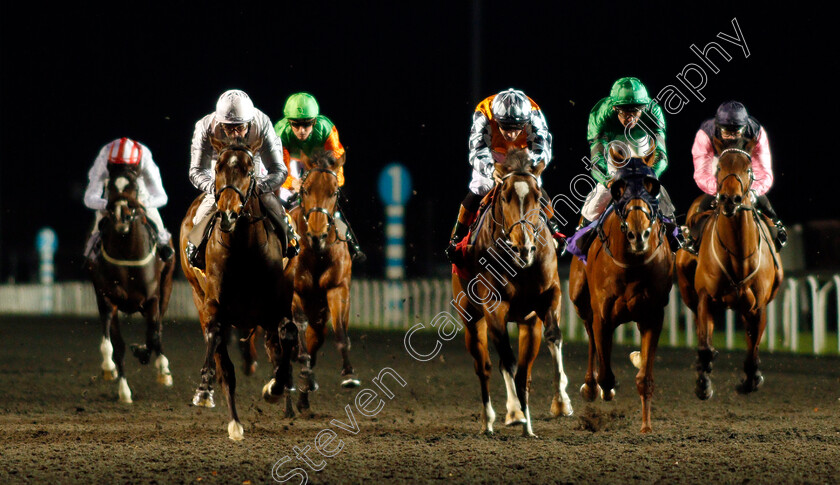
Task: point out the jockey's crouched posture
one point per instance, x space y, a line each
618 117
149 189
302 131
731 125
501 122
237 121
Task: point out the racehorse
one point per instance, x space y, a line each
515 267
322 271
737 267
129 277
627 277
246 283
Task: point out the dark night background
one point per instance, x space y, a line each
400 80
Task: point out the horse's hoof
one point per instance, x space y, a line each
561 408
250 369
269 396
165 380
109 374
487 432
587 393
125 392
527 433
514 418
203 399
141 352
646 428
351 382
235 431
703 389
290 412
606 397
759 381
303 402
636 359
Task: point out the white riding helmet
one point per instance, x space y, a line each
511 107
234 106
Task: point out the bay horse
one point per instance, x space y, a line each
515 267
246 283
322 271
627 277
736 267
128 277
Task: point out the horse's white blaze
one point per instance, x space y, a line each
235 431
522 189
164 374
560 379
125 392
121 183
489 416
107 351
636 359
512 400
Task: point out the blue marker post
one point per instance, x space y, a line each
46 242
395 190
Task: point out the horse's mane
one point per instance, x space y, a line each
322 159
517 160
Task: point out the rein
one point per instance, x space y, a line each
129 262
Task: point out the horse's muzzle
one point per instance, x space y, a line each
227 221
318 241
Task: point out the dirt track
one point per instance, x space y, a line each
62 424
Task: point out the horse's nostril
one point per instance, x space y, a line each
737 199
646 233
533 249
631 235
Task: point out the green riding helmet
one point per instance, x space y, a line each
301 106
629 91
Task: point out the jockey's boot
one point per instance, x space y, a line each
197 239
779 233
690 243
459 232
676 239
90 247
356 253
277 215
777 229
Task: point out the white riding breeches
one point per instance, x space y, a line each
207 204
481 185
596 202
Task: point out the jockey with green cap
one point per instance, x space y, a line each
616 121
302 131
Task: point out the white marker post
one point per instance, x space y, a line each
395 190
46 242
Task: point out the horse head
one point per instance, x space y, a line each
734 176
519 203
319 196
123 205
634 191
236 181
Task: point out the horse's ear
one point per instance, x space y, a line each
617 189
340 161
616 155
718 144
217 144
751 145
652 186
501 168
256 146
538 168
650 157
306 161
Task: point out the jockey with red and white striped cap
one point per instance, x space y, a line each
149 188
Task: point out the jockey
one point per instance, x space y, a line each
302 131
619 117
237 121
501 122
732 124
149 189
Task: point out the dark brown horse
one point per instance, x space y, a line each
627 277
246 283
129 277
515 267
322 271
736 267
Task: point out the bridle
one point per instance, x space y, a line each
306 213
503 226
623 213
244 198
739 205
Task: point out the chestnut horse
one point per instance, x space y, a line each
246 284
515 267
322 271
737 267
129 277
627 277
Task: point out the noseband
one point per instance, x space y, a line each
252 186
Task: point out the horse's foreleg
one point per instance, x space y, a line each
213 338
338 300
507 367
754 325
227 378
530 337
650 330
602 331
107 313
561 405
154 343
706 352
588 391
249 352
476 339
313 339
273 390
